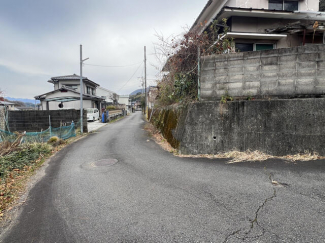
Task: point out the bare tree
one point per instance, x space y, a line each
179 56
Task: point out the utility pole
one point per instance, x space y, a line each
198 73
145 80
81 91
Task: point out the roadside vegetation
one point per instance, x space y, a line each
18 161
139 97
180 57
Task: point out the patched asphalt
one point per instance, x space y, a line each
116 186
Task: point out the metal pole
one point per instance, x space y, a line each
50 126
145 80
198 73
81 91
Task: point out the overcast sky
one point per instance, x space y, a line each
40 39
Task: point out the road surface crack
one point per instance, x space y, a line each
255 220
231 234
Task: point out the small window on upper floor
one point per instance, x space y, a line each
283 5
72 86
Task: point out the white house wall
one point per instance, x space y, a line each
59 94
248 4
123 100
306 5
104 92
53 105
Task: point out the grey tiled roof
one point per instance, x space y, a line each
6 103
68 77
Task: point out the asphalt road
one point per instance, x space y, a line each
151 196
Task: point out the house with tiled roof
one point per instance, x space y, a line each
265 24
7 105
66 94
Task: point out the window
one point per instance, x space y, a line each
283 5
243 47
290 5
72 86
91 91
261 47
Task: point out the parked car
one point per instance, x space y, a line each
92 114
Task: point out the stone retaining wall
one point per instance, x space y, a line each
276 127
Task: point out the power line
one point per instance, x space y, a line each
131 77
112 66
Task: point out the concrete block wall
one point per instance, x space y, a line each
36 121
287 72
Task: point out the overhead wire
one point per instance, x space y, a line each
96 65
131 77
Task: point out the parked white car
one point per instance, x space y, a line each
92 114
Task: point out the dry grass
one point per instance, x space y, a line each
159 139
236 156
7 147
233 156
13 184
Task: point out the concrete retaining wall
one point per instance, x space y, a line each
36 121
277 127
290 72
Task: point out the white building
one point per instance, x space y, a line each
125 100
108 95
66 94
7 105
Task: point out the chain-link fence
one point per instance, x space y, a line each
63 132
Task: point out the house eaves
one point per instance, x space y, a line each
228 12
42 96
73 77
216 10
208 14
65 89
255 36
6 103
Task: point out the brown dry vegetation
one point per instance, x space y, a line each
14 179
233 156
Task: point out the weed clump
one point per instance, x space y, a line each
55 141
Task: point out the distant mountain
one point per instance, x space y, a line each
23 100
137 91
140 91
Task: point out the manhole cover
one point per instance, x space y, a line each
104 162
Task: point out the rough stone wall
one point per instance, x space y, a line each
36 121
170 122
287 72
276 127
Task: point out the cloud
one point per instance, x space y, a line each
40 39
